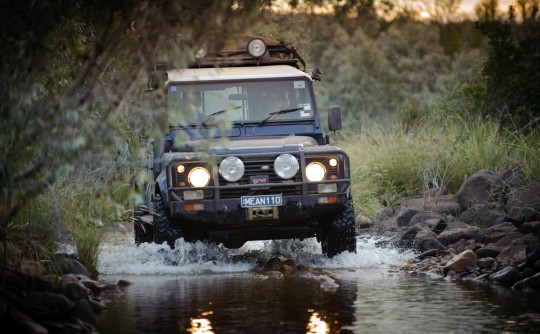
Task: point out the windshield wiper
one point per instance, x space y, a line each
281 112
212 116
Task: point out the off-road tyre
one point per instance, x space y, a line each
143 232
164 228
340 233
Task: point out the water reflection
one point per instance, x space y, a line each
239 303
316 325
201 326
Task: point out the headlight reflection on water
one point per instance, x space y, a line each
316 325
201 325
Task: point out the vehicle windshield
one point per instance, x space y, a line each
238 101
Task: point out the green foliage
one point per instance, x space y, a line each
512 69
74 125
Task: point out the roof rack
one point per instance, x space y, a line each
250 51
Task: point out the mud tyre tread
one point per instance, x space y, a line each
164 230
340 234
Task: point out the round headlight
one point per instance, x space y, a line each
315 171
199 177
232 169
256 47
286 166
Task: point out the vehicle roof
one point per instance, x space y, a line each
235 73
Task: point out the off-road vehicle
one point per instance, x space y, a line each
252 161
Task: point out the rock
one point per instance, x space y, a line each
84 312
68 264
429 253
488 252
462 263
482 215
433 221
363 222
463 245
527 272
494 233
507 275
426 240
532 255
524 205
528 239
274 264
485 262
327 283
509 239
25 324
123 283
532 282
405 218
450 207
452 236
481 187
530 227
512 256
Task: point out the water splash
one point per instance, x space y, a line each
199 257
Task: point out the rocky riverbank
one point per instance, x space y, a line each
488 231
55 295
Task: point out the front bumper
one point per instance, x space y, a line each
296 210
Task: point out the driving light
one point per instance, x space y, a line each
315 171
286 166
332 162
256 47
180 169
231 169
199 177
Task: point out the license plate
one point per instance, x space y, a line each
261 200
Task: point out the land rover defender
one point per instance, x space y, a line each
251 161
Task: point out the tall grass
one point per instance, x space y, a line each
74 212
394 161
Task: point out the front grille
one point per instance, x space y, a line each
254 167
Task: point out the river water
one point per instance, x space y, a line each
199 288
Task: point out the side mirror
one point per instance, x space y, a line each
334 118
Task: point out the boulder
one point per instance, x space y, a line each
431 220
488 252
495 233
507 275
405 218
530 227
509 239
482 187
427 240
463 245
524 205
532 255
68 264
512 256
462 263
452 236
482 215
485 262
532 282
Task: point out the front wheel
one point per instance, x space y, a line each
340 234
164 229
